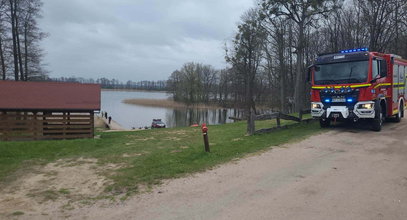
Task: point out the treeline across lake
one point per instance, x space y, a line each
196 83
105 83
277 40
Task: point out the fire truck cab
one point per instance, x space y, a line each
357 85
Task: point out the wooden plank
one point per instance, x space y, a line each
52 126
236 119
67 136
66 113
67 131
289 117
267 116
78 131
66 120
17 123
268 130
48 120
7 118
20 130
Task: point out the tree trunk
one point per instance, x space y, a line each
299 84
13 31
281 47
250 104
250 122
20 60
25 53
3 66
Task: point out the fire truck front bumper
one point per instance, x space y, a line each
361 110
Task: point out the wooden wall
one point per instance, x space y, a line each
19 125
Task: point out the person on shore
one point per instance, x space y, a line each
106 115
110 119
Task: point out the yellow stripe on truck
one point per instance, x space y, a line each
382 84
338 87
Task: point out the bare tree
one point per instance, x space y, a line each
303 13
377 15
23 30
32 35
245 59
14 32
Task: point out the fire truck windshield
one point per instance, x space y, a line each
341 73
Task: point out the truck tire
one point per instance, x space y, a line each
324 123
377 122
398 115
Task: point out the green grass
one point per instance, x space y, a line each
150 156
17 213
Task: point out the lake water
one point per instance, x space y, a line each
129 115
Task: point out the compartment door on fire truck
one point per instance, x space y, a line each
402 80
398 85
395 88
405 83
403 75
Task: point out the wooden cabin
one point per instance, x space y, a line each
47 110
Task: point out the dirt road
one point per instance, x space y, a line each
346 173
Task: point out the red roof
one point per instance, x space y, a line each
17 95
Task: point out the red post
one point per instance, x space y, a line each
205 137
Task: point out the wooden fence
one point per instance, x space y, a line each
22 125
278 116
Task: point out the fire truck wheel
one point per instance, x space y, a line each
324 123
377 122
398 116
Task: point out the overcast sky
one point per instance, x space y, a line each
136 39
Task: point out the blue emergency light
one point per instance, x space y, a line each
349 100
355 50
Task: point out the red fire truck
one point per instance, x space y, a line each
357 84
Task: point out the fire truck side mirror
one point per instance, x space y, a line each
375 79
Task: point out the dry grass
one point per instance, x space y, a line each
167 103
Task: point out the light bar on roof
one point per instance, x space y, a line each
355 50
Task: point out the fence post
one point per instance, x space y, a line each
205 137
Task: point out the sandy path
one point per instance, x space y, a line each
113 124
342 174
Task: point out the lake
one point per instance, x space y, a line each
129 115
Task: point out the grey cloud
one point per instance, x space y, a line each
136 40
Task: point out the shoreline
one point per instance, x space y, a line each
134 90
166 103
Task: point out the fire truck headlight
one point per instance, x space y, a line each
314 105
366 106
